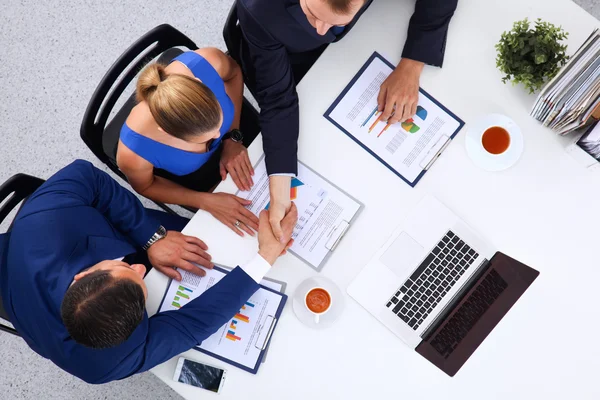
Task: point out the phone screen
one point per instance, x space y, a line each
200 375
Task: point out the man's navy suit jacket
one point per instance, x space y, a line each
76 219
277 31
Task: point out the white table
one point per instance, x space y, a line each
543 212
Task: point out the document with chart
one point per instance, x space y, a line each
407 148
324 212
243 340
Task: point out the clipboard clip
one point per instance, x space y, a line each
439 152
263 346
337 235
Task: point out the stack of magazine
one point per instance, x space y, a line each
572 99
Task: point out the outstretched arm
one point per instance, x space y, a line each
173 332
425 44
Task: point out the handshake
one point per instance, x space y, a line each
182 251
269 247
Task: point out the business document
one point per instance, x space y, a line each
243 339
407 148
324 211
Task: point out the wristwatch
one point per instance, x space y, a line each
161 233
235 135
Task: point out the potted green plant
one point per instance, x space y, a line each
531 56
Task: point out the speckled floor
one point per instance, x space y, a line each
52 55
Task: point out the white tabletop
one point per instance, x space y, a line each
542 212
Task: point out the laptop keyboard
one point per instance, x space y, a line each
469 313
430 282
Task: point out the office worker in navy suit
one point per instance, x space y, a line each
284 37
71 277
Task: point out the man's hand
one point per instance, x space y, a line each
399 93
269 246
178 250
231 211
235 160
279 187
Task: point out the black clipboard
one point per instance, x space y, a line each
269 329
327 115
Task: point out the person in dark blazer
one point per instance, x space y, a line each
281 40
71 277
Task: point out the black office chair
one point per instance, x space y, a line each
12 192
102 136
232 34
236 45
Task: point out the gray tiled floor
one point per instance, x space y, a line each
52 56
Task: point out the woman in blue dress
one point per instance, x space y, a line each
184 132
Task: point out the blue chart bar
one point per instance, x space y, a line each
369 117
249 304
183 288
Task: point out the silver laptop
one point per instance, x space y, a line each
439 287
412 278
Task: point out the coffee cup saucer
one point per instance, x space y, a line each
494 162
305 316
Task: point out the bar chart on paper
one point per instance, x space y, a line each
238 318
243 337
239 336
374 125
182 296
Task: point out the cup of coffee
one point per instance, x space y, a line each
318 302
495 140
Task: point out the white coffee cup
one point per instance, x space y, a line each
317 315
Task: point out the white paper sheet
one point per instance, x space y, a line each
322 209
407 147
242 338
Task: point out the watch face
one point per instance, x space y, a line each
237 135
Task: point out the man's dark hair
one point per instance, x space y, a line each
101 311
341 7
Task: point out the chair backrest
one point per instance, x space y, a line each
15 190
232 34
118 77
12 192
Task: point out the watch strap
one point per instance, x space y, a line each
159 234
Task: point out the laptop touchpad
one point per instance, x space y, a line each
403 255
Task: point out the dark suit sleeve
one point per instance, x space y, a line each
275 92
173 332
82 184
427 31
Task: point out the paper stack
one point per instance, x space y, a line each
572 99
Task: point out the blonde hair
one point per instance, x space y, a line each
182 106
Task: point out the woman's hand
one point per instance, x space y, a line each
235 160
231 211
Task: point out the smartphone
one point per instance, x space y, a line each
199 375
